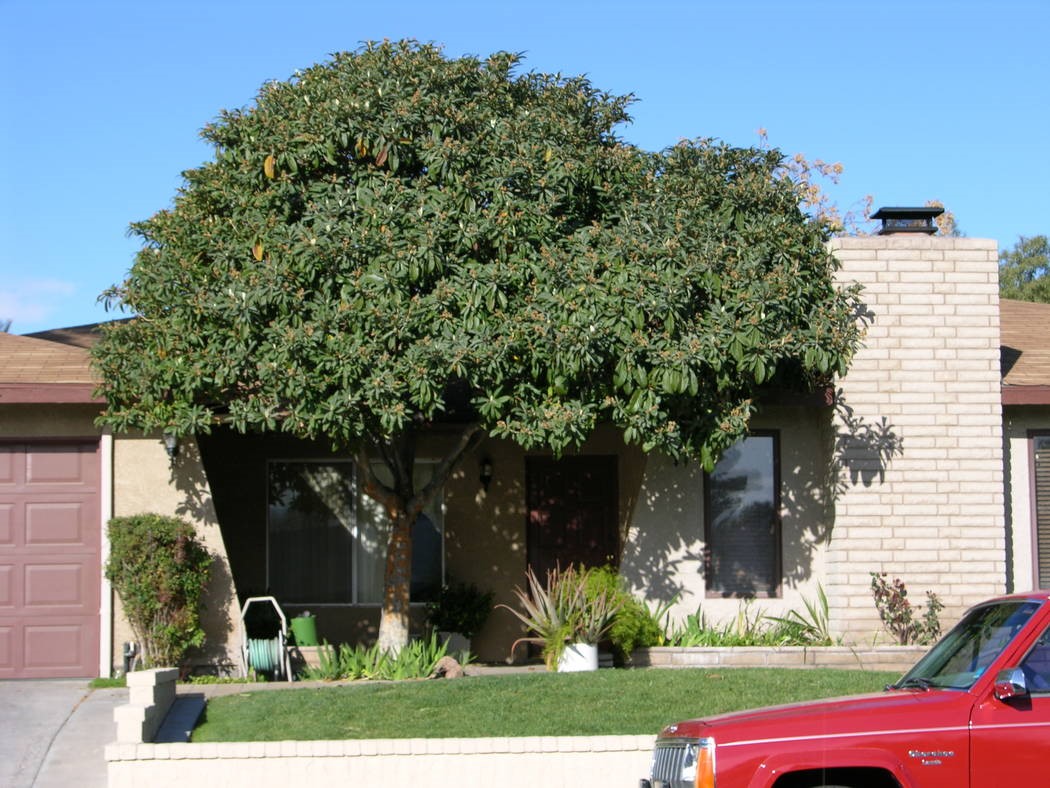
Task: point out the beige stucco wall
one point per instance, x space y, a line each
922 453
664 554
146 481
1017 423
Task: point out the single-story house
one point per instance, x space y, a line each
931 462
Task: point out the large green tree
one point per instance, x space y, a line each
393 230
1024 271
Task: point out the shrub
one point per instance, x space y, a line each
460 608
898 615
633 626
159 570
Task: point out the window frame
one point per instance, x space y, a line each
778 530
1033 502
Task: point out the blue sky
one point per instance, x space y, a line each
102 102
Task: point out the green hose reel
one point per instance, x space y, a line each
264 654
264 638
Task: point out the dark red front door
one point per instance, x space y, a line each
573 511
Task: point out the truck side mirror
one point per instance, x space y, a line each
1010 684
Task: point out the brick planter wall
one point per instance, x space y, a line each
892 658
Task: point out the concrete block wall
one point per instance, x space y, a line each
920 447
579 762
150 695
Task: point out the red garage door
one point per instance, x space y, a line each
50 539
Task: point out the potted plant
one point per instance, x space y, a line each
565 620
458 613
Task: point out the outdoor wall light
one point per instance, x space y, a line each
486 474
171 445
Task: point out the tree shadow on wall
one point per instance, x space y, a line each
666 544
862 451
196 506
859 453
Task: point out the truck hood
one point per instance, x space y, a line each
883 711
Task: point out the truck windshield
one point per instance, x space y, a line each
960 658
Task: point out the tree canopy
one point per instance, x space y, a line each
392 226
1023 270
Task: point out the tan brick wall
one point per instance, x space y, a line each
924 388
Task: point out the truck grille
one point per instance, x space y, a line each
675 762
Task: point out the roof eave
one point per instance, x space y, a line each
1026 395
48 393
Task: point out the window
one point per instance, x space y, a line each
1036 665
742 522
311 530
327 545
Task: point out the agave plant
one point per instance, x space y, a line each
559 612
813 626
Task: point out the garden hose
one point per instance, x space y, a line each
264 654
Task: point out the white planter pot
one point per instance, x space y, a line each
578 657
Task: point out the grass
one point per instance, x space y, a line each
537 704
108 683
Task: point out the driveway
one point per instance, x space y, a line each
54 733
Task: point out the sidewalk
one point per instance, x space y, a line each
55 733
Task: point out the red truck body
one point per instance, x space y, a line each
975 711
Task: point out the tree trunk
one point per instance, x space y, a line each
397 578
403 503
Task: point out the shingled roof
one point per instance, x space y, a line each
1024 339
38 370
54 366
78 336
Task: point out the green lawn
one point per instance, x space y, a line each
537 704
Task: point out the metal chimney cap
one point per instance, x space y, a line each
908 220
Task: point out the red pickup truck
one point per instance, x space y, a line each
975 711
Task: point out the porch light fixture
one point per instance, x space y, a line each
486 474
907 220
171 445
